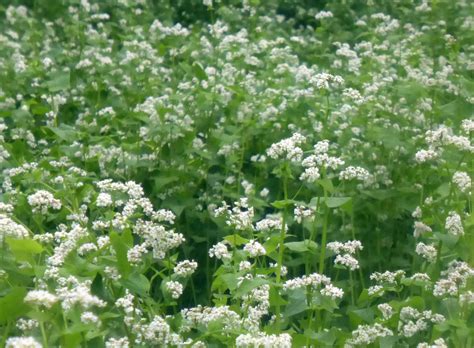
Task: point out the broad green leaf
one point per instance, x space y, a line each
248 285
121 249
137 283
303 246
23 249
59 81
326 184
12 305
283 203
335 202
236 240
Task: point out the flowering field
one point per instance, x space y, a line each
236 173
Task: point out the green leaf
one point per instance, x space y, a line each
235 239
199 71
23 249
137 283
326 184
297 302
335 202
283 203
65 132
59 81
12 305
388 341
248 285
303 246
121 249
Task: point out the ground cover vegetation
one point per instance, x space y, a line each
236 173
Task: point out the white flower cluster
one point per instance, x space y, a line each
463 181
413 321
71 293
104 199
42 200
438 343
175 289
467 298
316 281
271 222
288 148
261 339
323 14
385 279
117 343
240 216
301 212
220 251
453 224
421 228
423 156
68 242
26 324
157 237
22 342
89 318
358 173
319 159
185 268
254 248
200 315
255 305
9 228
427 251
41 298
345 252
386 310
157 333
367 334
455 280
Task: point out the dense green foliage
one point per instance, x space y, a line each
236 173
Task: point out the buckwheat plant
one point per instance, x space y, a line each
226 173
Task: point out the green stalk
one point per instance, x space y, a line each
282 242
43 334
325 234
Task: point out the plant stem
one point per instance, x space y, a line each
43 334
282 242
324 236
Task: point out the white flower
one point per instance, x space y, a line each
453 224
367 334
386 310
117 343
42 200
41 298
219 251
261 339
429 252
462 181
254 248
425 155
347 261
89 318
9 228
323 14
288 148
351 173
175 289
420 228
104 200
22 342
185 268
310 175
